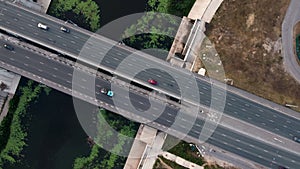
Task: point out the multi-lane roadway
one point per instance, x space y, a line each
237 143
25 23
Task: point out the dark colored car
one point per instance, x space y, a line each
9 47
65 29
152 81
107 92
297 139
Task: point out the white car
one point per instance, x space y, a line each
65 29
43 26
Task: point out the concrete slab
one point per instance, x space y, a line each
204 9
148 135
192 47
44 5
30 4
180 38
154 150
10 79
211 10
199 9
145 149
176 62
136 152
4 111
181 161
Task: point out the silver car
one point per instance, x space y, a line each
65 29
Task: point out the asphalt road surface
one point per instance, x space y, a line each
231 141
292 17
25 22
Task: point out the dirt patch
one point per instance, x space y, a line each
160 164
213 163
251 54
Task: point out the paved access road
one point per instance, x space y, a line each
25 23
292 17
231 141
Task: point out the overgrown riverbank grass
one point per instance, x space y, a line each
11 130
184 150
87 13
179 8
105 138
189 153
160 27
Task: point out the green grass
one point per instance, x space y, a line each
183 150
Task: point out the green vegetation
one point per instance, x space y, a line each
6 122
154 31
47 89
146 36
187 152
105 138
88 162
184 150
12 134
298 46
86 12
179 8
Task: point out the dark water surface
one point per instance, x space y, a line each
55 137
114 9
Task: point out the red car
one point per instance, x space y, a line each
151 81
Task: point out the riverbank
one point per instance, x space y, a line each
137 35
12 131
54 136
115 144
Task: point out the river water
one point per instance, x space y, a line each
114 9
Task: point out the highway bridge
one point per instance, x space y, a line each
38 67
23 23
